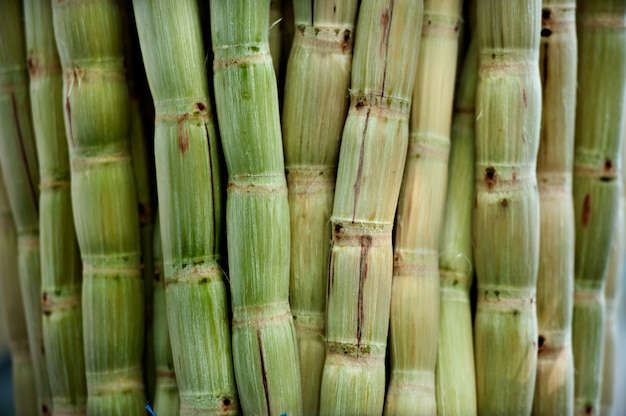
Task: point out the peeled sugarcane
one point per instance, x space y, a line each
23 378
601 30
455 375
314 112
166 399
554 388
506 211
90 37
60 259
190 208
371 161
257 211
414 320
18 155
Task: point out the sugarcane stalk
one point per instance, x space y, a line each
189 189
166 399
506 212
414 321
314 112
371 161
554 389
601 30
90 37
23 378
18 156
257 213
455 375
60 259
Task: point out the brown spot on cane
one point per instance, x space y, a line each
200 106
226 402
586 216
545 32
524 96
345 44
608 165
365 242
490 177
44 409
545 14
504 203
183 136
338 231
541 341
588 409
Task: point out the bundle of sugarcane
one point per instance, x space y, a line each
60 261
190 205
371 161
601 33
314 111
554 389
166 399
23 379
506 213
414 324
455 375
18 155
257 212
89 37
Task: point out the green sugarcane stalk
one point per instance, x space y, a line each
506 212
371 161
90 37
61 280
190 195
554 388
601 30
257 211
314 112
18 156
188 170
166 399
414 321
22 376
455 374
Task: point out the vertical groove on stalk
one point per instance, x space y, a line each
23 378
601 31
554 388
190 209
455 374
506 214
18 156
90 39
372 154
60 259
414 320
257 212
314 112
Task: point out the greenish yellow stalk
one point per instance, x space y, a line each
314 112
18 155
554 388
23 378
60 260
414 320
455 375
166 399
90 38
371 161
257 211
190 196
506 212
601 30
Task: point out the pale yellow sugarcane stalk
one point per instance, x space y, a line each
601 86
506 213
314 112
455 375
414 320
554 389
373 151
23 378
